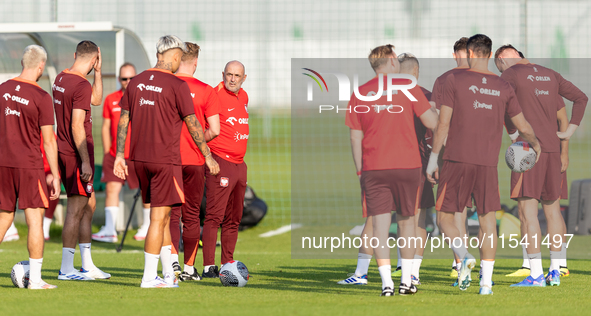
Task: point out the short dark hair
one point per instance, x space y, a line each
85 48
480 44
501 49
460 44
127 64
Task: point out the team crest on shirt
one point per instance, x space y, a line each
483 80
535 69
224 182
151 77
18 87
89 188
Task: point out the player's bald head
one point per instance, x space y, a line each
33 56
235 66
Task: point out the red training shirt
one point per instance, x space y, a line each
72 91
232 141
480 103
112 111
26 107
437 95
389 139
206 104
157 102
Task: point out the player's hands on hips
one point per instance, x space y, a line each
564 161
212 165
120 169
433 168
570 130
86 172
99 61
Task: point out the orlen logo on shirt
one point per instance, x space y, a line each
238 137
538 78
542 92
146 102
15 98
232 119
492 92
58 88
142 86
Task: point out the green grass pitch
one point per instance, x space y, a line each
278 285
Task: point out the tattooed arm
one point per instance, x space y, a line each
196 132
120 169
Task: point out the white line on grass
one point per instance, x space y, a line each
280 230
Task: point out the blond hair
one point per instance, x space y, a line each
33 56
192 52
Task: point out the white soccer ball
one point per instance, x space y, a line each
234 273
20 274
520 157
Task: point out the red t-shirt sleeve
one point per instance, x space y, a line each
574 94
212 105
422 104
82 96
46 111
107 108
448 92
184 102
351 118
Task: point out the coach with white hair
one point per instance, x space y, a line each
156 103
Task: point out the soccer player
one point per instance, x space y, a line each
225 191
461 58
206 106
474 105
156 103
409 64
111 113
387 159
73 95
28 112
540 90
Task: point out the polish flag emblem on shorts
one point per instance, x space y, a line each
224 182
89 188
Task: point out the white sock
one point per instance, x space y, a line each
189 269
206 268
535 262
563 256
174 257
398 263
461 250
87 263
554 260
363 261
525 263
416 265
150 267
67 260
35 270
487 272
166 260
454 264
146 222
386 274
406 270
46 225
111 213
